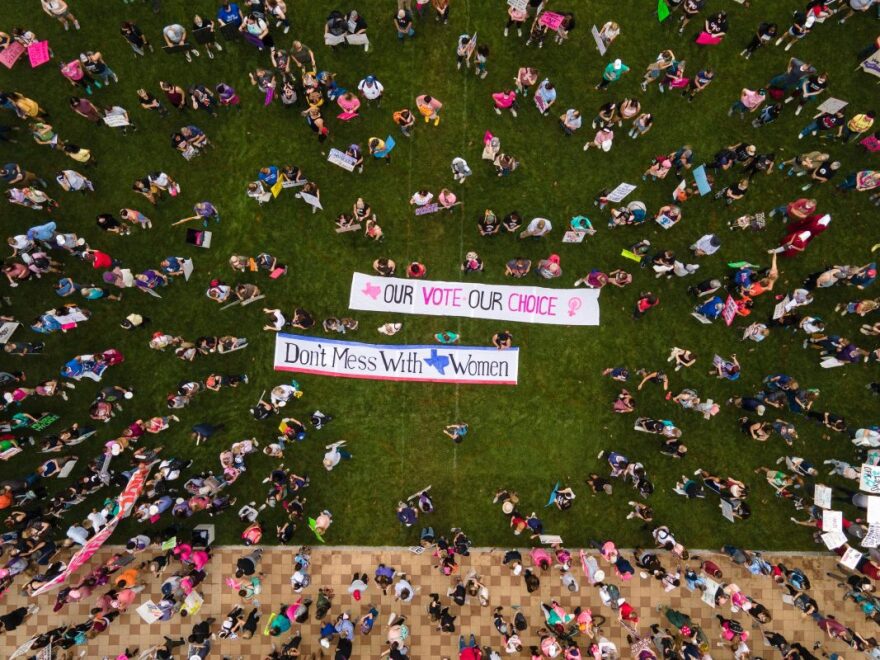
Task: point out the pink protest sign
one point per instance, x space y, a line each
551 19
38 53
10 54
729 311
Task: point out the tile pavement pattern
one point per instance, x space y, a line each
334 566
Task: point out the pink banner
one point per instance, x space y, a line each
10 54
38 53
551 19
126 503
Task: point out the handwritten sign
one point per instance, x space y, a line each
822 496
427 209
833 540
38 53
551 19
851 558
572 236
832 521
10 54
341 159
872 64
518 5
620 192
870 479
872 538
6 330
311 200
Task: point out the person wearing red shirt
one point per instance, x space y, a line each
99 259
469 650
646 301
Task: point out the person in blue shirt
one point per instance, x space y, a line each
268 175
42 232
229 14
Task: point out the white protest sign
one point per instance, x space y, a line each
357 39
872 538
572 236
822 496
600 43
341 159
872 64
478 365
832 105
311 200
620 192
333 39
6 330
187 268
727 511
149 612
851 558
873 509
833 540
523 304
550 539
832 521
870 479
116 120
519 5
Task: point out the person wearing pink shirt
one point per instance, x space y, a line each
749 101
505 100
429 107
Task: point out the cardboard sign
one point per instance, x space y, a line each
551 19
833 540
872 538
822 496
832 105
116 120
870 479
832 521
38 53
10 54
341 159
572 236
620 192
311 200
872 64
851 558
600 43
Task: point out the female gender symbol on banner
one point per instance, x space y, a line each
574 304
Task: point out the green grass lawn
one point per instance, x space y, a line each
553 424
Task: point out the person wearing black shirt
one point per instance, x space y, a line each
809 90
764 34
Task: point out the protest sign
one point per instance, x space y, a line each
311 200
832 105
872 64
822 496
523 304
833 540
873 509
572 236
729 311
702 181
479 365
620 192
341 159
832 521
6 330
10 54
38 53
551 19
600 43
150 612
851 558
519 5
870 479
872 538
427 209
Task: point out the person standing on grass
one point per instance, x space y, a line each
505 100
371 89
175 35
135 38
94 63
58 9
405 119
644 304
429 107
749 101
612 73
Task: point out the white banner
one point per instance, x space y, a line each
479 365
524 304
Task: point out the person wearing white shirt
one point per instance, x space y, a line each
403 591
334 455
371 89
59 9
706 245
421 198
78 534
73 181
98 519
571 121
460 169
536 228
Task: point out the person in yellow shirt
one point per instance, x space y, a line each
857 125
429 108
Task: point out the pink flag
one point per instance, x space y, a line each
270 94
38 53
